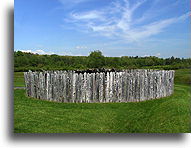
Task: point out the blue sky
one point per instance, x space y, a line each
115 27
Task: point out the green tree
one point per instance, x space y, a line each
96 59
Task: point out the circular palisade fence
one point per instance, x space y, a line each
99 85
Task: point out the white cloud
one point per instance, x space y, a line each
81 47
151 29
118 21
156 55
72 2
87 15
68 4
70 54
39 51
27 51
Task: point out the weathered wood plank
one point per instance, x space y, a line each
104 86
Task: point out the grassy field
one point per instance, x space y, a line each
19 79
165 115
183 76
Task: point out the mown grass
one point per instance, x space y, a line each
19 79
165 115
183 76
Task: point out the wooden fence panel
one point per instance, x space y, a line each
103 86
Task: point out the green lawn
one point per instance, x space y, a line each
19 79
165 115
183 76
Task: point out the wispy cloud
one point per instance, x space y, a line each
72 3
118 21
151 29
87 15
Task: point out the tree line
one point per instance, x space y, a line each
28 61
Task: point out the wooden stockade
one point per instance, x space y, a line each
99 85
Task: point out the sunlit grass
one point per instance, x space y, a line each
19 79
165 115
